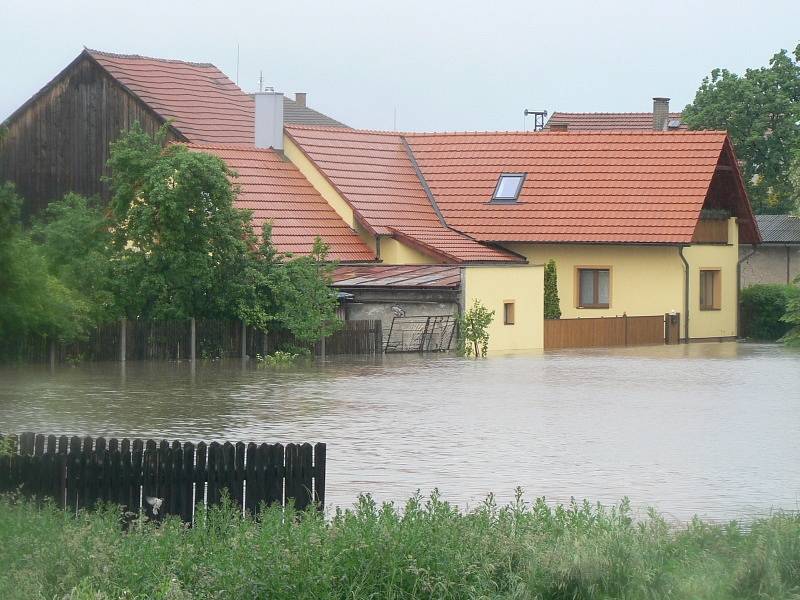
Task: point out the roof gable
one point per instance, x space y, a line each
275 190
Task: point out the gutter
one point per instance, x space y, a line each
739 283
685 290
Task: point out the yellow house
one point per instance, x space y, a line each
638 223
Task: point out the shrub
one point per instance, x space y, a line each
473 330
552 308
762 309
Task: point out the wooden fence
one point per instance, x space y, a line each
81 472
602 332
171 340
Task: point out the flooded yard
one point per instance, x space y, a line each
712 429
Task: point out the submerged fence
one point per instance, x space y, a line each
161 478
172 340
604 331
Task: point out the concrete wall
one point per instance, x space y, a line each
769 264
496 285
646 280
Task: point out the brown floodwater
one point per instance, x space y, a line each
708 429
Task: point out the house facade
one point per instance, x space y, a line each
639 223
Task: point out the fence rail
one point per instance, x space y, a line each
81 472
171 340
603 332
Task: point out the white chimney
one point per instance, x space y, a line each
269 120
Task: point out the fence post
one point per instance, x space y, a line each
52 353
244 339
193 349
123 339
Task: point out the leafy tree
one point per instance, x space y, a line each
761 111
75 238
792 318
762 309
32 301
552 305
182 243
305 301
473 330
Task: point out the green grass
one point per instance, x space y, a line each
426 550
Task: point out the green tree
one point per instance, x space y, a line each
473 330
182 245
552 305
792 318
761 111
306 304
32 301
75 238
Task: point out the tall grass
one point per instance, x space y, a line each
429 549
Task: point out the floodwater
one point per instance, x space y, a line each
707 429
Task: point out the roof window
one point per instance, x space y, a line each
508 187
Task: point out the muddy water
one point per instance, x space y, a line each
712 429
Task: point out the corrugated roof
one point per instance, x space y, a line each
779 229
399 276
275 190
600 187
621 121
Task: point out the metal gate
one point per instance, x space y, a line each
428 333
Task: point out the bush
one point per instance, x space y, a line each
426 549
762 308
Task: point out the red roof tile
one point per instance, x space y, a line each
274 190
402 276
372 171
602 187
204 105
630 121
453 245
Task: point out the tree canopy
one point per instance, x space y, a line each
761 112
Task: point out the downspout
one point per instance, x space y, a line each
685 291
739 283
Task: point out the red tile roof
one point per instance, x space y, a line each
373 173
400 276
205 106
276 191
630 121
452 245
601 187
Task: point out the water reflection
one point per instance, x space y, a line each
706 428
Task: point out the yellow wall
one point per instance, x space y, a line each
646 280
522 284
394 252
318 181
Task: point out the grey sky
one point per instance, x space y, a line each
444 65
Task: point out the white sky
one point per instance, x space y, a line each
442 64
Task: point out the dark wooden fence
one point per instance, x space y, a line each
603 332
171 340
82 472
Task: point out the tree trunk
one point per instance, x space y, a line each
123 339
193 348
244 339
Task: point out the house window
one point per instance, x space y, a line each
593 288
710 289
508 187
508 312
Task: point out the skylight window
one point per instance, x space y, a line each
508 187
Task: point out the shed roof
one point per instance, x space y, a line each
779 229
275 190
397 276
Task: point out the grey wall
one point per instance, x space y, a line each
768 265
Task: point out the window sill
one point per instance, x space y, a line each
600 306
709 308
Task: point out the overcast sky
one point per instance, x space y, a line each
441 64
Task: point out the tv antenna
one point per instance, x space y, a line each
538 119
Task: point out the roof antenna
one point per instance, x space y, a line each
261 81
237 64
538 119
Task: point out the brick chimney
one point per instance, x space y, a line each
660 113
559 126
300 98
269 120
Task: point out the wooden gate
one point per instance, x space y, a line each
603 332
